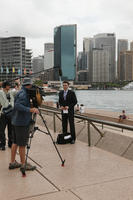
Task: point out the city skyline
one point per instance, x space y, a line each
36 20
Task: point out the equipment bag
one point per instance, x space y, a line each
8 111
64 138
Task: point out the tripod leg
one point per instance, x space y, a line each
63 161
23 172
23 169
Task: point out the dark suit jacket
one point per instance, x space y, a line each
70 101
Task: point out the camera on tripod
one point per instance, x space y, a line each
36 94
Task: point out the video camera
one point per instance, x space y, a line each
36 94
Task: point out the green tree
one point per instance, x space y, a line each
38 83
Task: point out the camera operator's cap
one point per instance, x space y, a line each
27 81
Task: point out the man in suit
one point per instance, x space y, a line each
67 101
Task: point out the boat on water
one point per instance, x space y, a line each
129 86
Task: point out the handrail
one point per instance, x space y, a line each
89 120
83 117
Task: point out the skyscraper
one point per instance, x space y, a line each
84 61
28 62
122 46
126 66
82 67
107 41
38 64
65 51
131 46
100 65
48 55
14 58
88 44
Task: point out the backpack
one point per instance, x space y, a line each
8 111
64 138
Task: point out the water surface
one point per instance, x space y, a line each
111 100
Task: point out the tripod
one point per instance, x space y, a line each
32 130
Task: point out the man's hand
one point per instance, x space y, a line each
66 107
62 108
34 110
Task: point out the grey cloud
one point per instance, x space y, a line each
36 19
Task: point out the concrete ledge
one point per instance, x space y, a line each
83 134
129 152
114 143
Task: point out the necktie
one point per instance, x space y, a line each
65 93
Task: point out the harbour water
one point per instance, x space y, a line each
111 100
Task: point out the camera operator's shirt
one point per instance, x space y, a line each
21 114
4 102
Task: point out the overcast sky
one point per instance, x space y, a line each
36 19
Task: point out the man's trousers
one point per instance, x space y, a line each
65 118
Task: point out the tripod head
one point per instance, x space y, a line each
36 95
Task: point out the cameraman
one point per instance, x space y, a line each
21 120
6 99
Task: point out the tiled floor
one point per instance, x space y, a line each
89 173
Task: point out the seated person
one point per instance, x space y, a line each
123 116
77 108
82 108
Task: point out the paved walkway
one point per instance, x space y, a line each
89 174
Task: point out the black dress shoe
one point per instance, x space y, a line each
72 142
3 148
9 145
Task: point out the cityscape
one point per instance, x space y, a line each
66 100
102 60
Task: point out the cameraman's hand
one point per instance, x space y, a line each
34 110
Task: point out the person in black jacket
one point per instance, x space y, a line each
67 101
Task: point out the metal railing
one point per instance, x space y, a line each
90 121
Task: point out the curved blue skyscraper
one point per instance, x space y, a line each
65 51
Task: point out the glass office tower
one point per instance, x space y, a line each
65 51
